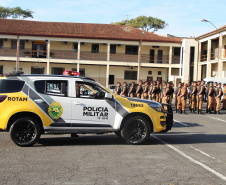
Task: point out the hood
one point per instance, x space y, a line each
149 102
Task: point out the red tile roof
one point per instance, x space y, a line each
79 30
223 28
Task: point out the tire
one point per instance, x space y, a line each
136 130
118 133
25 131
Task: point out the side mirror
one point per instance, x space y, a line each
108 96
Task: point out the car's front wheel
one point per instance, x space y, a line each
136 130
25 131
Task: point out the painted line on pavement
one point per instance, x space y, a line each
202 152
181 123
190 158
216 119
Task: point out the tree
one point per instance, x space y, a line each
145 23
15 13
4 12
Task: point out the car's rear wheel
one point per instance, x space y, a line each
25 131
136 130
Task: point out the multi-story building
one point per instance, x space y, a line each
212 54
105 52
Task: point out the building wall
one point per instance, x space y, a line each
224 70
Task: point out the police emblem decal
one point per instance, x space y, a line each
55 110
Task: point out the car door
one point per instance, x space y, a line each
51 96
89 106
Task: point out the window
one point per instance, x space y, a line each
150 72
132 50
82 71
14 44
177 51
1 43
152 56
1 69
130 75
37 70
75 47
160 56
159 72
95 48
112 49
58 70
11 86
89 90
52 87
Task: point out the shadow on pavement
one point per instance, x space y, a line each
177 124
188 138
176 138
82 140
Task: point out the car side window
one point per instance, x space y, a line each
89 90
52 87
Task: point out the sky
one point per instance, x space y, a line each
183 16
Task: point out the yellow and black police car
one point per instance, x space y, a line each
32 105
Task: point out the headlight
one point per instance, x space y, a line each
156 107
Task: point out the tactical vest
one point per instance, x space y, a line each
140 90
126 91
218 91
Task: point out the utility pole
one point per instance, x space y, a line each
17 53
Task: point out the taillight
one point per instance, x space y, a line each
2 98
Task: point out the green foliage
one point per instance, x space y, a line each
4 12
15 13
145 23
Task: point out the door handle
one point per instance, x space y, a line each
78 103
38 100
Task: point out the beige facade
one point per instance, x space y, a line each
130 58
69 54
212 55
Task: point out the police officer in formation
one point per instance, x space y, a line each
163 93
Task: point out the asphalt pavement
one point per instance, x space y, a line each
193 152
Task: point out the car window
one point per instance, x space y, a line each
52 87
11 86
89 90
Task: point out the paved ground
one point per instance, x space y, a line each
193 152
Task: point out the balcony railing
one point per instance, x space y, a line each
87 55
59 54
120 57
203 58
7 52
155 59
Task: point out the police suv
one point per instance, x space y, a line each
32 105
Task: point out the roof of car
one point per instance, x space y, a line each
44 75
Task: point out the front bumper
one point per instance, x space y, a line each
167 109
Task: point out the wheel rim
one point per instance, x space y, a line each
136 131
24 132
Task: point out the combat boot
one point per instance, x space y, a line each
184 112
198 111
210 111
215 112
176 110
207 110
218 112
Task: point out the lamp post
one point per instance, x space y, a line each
204 20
